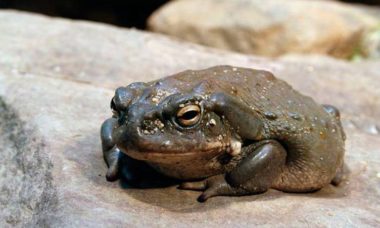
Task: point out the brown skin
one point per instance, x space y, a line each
239 131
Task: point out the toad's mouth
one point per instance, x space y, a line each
170 156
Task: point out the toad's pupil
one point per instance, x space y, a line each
189 115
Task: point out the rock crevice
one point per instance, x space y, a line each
27 193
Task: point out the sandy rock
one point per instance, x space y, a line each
268 28
56 80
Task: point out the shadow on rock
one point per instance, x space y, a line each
182 201
138 174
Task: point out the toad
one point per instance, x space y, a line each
225 131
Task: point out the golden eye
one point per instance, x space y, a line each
189 115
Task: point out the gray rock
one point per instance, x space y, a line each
268 28
27 195
56 80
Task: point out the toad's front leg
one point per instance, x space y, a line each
111 153
119 164
133 172
255 173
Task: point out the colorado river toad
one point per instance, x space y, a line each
225 131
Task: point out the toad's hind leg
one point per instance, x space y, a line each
334 112
341 175
255 174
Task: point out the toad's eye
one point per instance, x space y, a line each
189 115
115 112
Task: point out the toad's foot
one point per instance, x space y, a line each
113 161
213 186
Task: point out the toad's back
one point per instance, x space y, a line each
311 133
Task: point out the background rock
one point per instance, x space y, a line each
370 47
56 80
269 28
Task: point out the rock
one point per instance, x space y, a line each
370 45
56 80
268 28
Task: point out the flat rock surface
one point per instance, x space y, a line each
56 80
269 28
